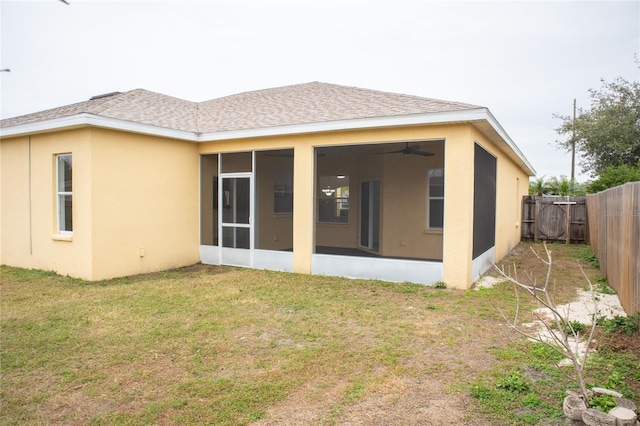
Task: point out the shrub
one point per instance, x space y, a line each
602 403
619 324
514 382
572 327
440 284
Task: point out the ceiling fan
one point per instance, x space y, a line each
410 150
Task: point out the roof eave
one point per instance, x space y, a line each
475 115
497 134
512 147
93 120
349 124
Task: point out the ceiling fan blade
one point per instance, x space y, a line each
407 150
423 153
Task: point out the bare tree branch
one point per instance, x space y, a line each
560 332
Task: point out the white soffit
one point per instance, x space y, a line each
84 119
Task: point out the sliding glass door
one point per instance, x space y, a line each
370 215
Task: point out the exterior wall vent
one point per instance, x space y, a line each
104 95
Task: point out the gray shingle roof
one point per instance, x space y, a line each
139 105
297 104
310 103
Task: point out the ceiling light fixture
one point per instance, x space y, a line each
328 191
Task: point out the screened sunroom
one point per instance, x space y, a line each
378 210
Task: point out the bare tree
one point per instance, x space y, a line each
560 330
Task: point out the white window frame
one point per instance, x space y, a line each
430 197
61 195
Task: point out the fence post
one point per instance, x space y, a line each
568 240
536 214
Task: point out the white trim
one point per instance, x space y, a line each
273 260
503 134
429 198
236 256
377 268
86 119
59 208
210 255
482 263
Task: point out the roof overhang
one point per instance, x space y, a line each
92 120
481 118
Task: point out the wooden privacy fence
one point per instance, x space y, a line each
614 228
554 219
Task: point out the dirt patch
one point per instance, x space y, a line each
619 342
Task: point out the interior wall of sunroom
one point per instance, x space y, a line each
405 204
274 198
339 230
403 181
209 200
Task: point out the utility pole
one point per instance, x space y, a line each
573 143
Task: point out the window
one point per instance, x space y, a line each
333 199
65 196
283 193
435 199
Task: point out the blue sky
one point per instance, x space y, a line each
525 61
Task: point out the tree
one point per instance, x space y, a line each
613 176
561 335
608 134
537 186
564 186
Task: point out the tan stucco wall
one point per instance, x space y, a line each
130 192
14 202
146 217
458 207
28 215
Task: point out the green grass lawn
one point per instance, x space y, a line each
218 345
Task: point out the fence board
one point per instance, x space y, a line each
614 220
528 218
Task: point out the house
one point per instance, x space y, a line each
311 178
